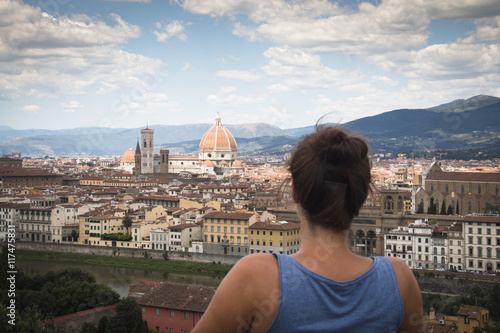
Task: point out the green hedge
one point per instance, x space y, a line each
118 237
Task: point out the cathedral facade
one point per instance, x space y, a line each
218 153
460 193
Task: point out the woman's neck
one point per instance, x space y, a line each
321 242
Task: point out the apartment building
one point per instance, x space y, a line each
482 242
35 221
227 233
456 247
9 216
412 244
274 237
181 236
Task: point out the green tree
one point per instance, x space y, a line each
127 222
74 235
420 209
432 209
103 323
489 328
458 209
493 302
128 318
88 328
443 208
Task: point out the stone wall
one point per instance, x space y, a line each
456 284
129 253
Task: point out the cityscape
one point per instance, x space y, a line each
439 217
145 149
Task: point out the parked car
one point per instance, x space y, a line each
440 269
462 271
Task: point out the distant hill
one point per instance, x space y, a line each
472 123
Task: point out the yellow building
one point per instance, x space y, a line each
186 203
227 233
105 224
96 229
274 237
470 316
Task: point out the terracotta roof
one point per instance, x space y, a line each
470 311
217 137
275 226
77 319
142 287
24 172
178 296
158 197
465 176
129 156
472 218
234 216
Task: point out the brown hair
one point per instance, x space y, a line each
331 176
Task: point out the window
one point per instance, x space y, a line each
157 311
172 313
479 252
479 231
186 315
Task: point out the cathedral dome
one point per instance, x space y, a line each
208 163
237 164
217 137
129 156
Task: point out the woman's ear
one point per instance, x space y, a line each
294 194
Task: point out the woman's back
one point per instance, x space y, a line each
310 302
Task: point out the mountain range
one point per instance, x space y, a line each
472 123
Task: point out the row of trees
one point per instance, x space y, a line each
433 209
39 298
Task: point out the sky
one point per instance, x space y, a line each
134 63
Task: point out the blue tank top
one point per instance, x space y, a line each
310 302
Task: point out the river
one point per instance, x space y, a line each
118 278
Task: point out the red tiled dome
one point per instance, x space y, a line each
208 163
237 164
129 156
217 137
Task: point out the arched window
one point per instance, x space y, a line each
432 187
469 207
479 189
446 188
463 190
400 203
388 203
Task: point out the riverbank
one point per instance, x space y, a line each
170 266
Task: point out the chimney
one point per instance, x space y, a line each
432 314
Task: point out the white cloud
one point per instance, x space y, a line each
173 29
225 98
34 109
248 76
72 106
186 66
53 55
143 1
147 102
